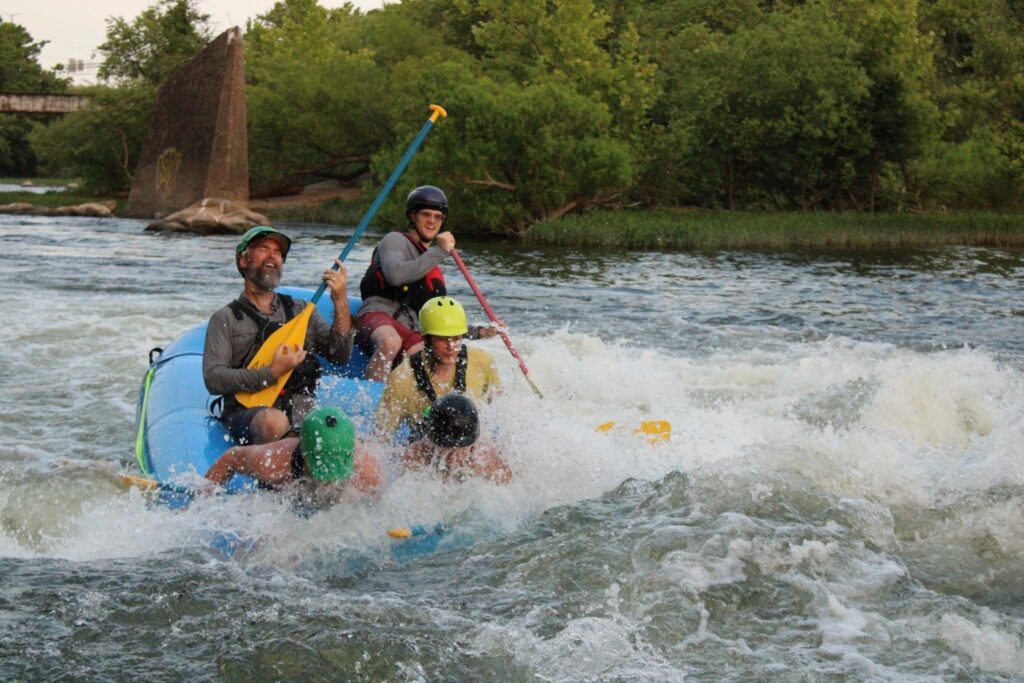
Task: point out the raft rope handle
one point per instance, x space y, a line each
140 437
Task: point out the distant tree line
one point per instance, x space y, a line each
560 106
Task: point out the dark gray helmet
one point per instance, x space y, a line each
426 197
453 422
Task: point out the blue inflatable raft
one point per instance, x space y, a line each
177 436
175 432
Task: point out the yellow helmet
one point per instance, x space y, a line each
443 316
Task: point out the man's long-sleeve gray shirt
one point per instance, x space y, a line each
402 263
229 340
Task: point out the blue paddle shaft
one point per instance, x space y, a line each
381 196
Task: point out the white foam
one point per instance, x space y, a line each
988 646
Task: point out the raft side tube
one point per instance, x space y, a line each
178 435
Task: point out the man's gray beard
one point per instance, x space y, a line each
263 279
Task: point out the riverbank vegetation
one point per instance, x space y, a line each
560 108
332 211
781 231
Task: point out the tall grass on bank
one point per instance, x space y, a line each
332 211
39 182
728 230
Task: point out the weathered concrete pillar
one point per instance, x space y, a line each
196 145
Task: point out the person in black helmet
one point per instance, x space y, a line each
451 444
237 331
404 272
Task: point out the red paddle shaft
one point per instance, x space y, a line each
494 319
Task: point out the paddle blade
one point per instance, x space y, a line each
655 430
141 483
292 333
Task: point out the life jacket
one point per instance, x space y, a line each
306 374
422 377
411 295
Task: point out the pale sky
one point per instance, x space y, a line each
75 27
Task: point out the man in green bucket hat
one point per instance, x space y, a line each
237 331
326 453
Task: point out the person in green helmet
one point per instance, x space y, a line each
444 365
326 453
237 331
451 444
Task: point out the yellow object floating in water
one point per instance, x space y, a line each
656 431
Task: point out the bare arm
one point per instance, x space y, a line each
417 455
487 463
335 342
268 462
367 475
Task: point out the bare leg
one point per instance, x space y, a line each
270 425
386 344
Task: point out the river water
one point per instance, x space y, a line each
842 497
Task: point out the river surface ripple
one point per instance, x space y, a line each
842 498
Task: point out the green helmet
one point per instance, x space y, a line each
328 441
443 316
261 231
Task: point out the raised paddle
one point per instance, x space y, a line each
494 319
293 333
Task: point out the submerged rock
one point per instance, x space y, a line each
210 216
16 207
103 209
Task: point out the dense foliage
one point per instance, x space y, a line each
20 72
559 106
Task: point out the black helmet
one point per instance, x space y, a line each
453 421
426 197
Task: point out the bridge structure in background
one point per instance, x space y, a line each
42 104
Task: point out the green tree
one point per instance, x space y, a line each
978 50
159 40
99 144
315 101
765 116
20 72
544 108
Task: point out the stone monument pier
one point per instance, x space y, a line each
196 146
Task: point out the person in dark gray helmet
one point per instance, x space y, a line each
451 444
237 331
405 272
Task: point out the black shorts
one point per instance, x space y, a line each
238 422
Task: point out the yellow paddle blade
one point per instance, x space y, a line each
292 333
400 532
141 483
654 430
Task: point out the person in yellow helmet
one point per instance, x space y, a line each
445 365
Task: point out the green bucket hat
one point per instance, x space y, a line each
328 441
261 231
